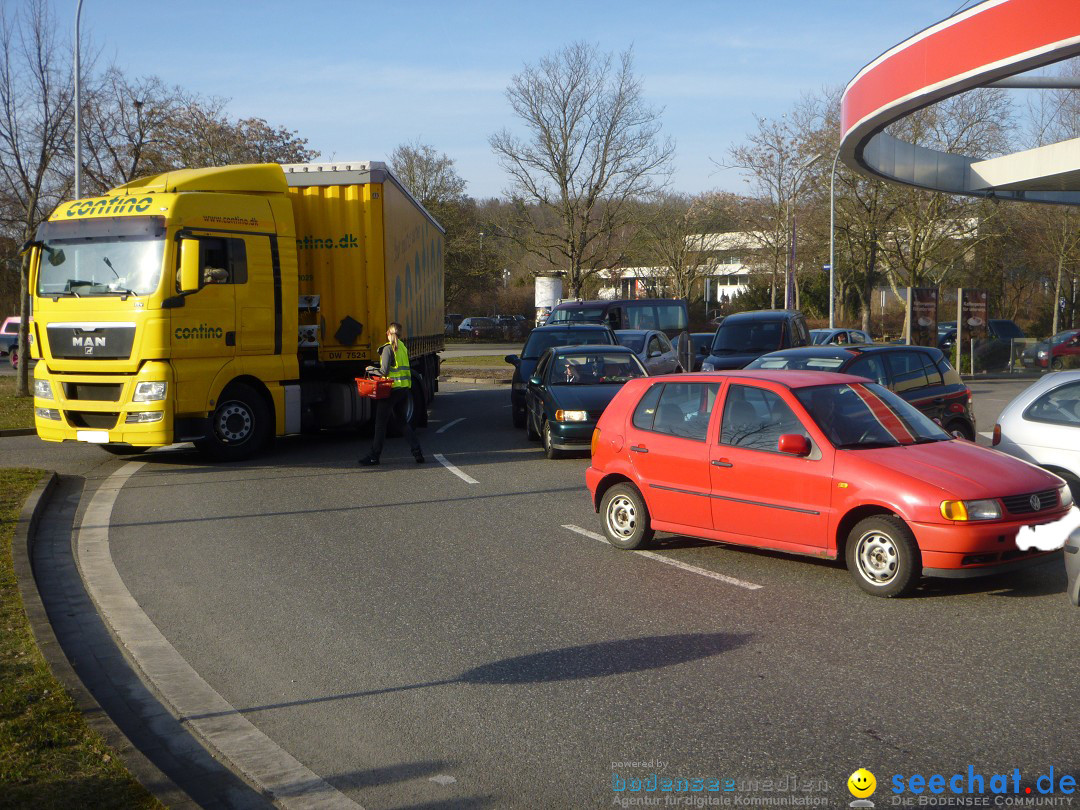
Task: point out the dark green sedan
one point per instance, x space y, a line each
569 390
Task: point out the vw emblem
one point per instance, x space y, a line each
1036 504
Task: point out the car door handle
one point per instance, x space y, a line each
639 449
939 400
723 462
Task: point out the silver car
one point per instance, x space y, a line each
1042 426
1072 566
653 349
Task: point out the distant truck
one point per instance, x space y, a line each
227 306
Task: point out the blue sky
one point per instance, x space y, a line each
359 78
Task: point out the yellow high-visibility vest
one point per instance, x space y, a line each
400 373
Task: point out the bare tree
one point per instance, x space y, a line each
35 130
430 176
593 147
676 236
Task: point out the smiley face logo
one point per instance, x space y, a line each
861 783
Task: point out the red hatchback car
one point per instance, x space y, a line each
814 463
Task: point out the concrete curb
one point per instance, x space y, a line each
475 380
18 432
148 774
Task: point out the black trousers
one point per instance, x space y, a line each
393 407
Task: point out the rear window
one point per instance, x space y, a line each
748 336
539 342
577 315
806 363
633 342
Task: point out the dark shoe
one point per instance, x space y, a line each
368 461
419 458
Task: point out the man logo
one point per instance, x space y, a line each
1036 504
88 342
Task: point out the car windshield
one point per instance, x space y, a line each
634 343
540 341
595 368
95 258
865 415
1061 337
747 336
577 315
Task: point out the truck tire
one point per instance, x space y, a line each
239 426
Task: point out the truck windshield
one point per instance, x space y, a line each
107 256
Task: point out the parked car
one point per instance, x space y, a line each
825 337
540 340
921 375
669 315
1052 353
454 321
1072 566
569 390
700 342
9 339
745 336
992 352
478 328
509 327
813 463
653 349
1042 425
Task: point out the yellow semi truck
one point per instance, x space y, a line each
226 306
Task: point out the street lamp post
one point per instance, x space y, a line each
832 243
78 108
796 182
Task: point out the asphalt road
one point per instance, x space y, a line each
420 641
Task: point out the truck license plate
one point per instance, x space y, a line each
94 436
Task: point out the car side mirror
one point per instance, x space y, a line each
189 265
794 444
512 359
534 380
654 353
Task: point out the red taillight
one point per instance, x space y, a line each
595 441
956 407
997 436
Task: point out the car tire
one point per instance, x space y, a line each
530 431
965 429
239 425
1057 364
549 449
625 518
13 358
883 557
518 416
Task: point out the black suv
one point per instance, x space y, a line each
992 352
920 374
745 336
540 340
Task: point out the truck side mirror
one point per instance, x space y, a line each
189 265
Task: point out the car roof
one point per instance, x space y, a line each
786 377
634 331
591 348
562 327
761 315
848 349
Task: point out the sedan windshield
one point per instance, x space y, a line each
864 415
595 369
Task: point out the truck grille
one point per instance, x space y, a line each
1022 505
93 392
96 420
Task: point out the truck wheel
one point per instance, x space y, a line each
883 556
239 426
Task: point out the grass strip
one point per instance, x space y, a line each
478 361
49 757
15 412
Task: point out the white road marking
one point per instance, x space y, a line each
443 779
468 479
449 425
192 699
750 586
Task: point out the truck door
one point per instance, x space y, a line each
252 267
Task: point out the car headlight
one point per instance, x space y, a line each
149 391
970 510
1065 494
42 389
707 366
571 416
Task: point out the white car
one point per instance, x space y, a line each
1042 425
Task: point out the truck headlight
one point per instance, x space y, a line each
47 413
970 510
149 392
43 389
707 366
141 417
571 416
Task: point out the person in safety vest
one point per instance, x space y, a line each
394 363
